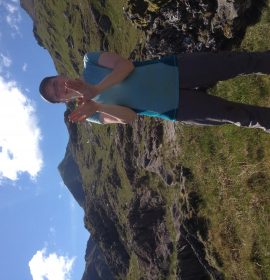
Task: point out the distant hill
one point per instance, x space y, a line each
28 6
143 203
71 176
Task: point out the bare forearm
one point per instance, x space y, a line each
121 113
119 73
121 68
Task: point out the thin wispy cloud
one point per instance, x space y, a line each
50 267
20 134
24 67
5 61
11 8
52 230
11 14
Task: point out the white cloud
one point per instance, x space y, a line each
5 61
52 230
11 8
12 16
53 266
20 135
24 68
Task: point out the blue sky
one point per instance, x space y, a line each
42 235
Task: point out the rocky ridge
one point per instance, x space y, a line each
136 227
28 6
191 26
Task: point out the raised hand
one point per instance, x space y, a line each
81 88
85 109
71 94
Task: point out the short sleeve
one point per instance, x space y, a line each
95 118
91 57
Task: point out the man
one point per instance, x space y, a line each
116 90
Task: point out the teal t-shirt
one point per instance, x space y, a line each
152 89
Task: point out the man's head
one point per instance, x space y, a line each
53 89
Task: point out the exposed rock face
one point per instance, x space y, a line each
96 268
28 6
195 25
144 231
71 176
103 25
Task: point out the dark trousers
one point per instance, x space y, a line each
200 71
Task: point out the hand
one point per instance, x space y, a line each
70 94
85 90
85 109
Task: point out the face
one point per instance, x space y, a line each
56 89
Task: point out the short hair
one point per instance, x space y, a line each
43 89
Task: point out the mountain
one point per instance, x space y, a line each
142 205
71 176
28 6
96 268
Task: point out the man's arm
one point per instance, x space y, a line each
108 113
116 114
108 119
121 69
120 66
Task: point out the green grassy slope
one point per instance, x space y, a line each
231 170
68 30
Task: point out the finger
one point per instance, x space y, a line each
69 94
79 115
71 119
74 115
68 83
72 93
78 112
80 101
74 118
76 81
81 118
71 84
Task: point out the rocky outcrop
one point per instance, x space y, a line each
138 225
28 6
95 268
71 177
191 26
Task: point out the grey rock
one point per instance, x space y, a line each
71 177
